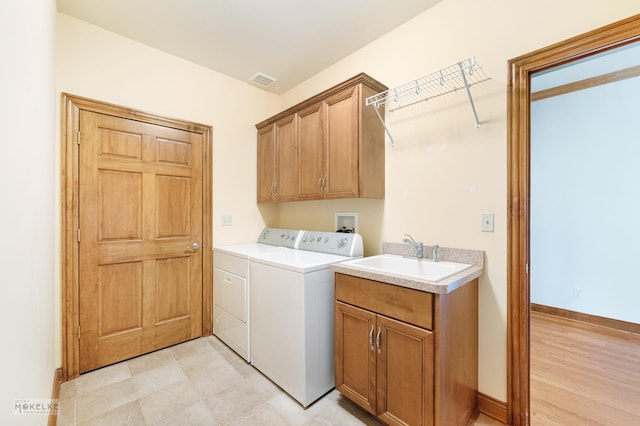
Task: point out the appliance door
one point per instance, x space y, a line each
230 311
292 329
230 293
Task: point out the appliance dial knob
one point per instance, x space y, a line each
326 239
342 242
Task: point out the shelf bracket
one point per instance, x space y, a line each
466 86
386 129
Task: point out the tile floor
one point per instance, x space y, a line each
200 382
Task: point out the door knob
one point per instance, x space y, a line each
195 246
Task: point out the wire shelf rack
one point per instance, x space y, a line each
456 77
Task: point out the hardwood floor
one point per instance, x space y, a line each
583 374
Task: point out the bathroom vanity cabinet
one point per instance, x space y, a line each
407 356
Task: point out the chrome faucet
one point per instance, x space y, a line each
434 252
416 246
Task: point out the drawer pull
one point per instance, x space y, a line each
227 280
371 337
378 338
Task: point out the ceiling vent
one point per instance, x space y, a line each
262 80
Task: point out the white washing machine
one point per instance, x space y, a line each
292 312
231 285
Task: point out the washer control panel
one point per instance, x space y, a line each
280 237
339 243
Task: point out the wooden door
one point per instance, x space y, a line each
286 166
140 214
266 164
311 152
355 356
404 373
342 144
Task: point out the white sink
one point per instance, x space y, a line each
408 267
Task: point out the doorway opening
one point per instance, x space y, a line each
519 194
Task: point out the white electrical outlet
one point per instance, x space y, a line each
226 220
486 224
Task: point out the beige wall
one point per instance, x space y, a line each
441 175
27 110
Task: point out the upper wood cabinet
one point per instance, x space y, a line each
338 147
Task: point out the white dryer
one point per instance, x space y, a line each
292 312
231 285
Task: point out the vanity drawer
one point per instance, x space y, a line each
404 304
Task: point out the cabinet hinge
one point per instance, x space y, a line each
78 235
78 137
78 332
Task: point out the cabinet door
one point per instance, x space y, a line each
404 373
341 150
286 160
311 152
355 356
266 163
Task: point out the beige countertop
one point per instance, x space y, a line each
447 285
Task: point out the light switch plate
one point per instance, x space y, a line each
486 224
226 220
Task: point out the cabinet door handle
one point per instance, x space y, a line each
275 190
320 182
378 338
371 337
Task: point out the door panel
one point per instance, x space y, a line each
140 204
172 295
266 164
175 152
341 158
311 151
120 294
121 144
173 204
355 357
286 159
119 205
404 397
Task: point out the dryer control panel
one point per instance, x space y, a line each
280 237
